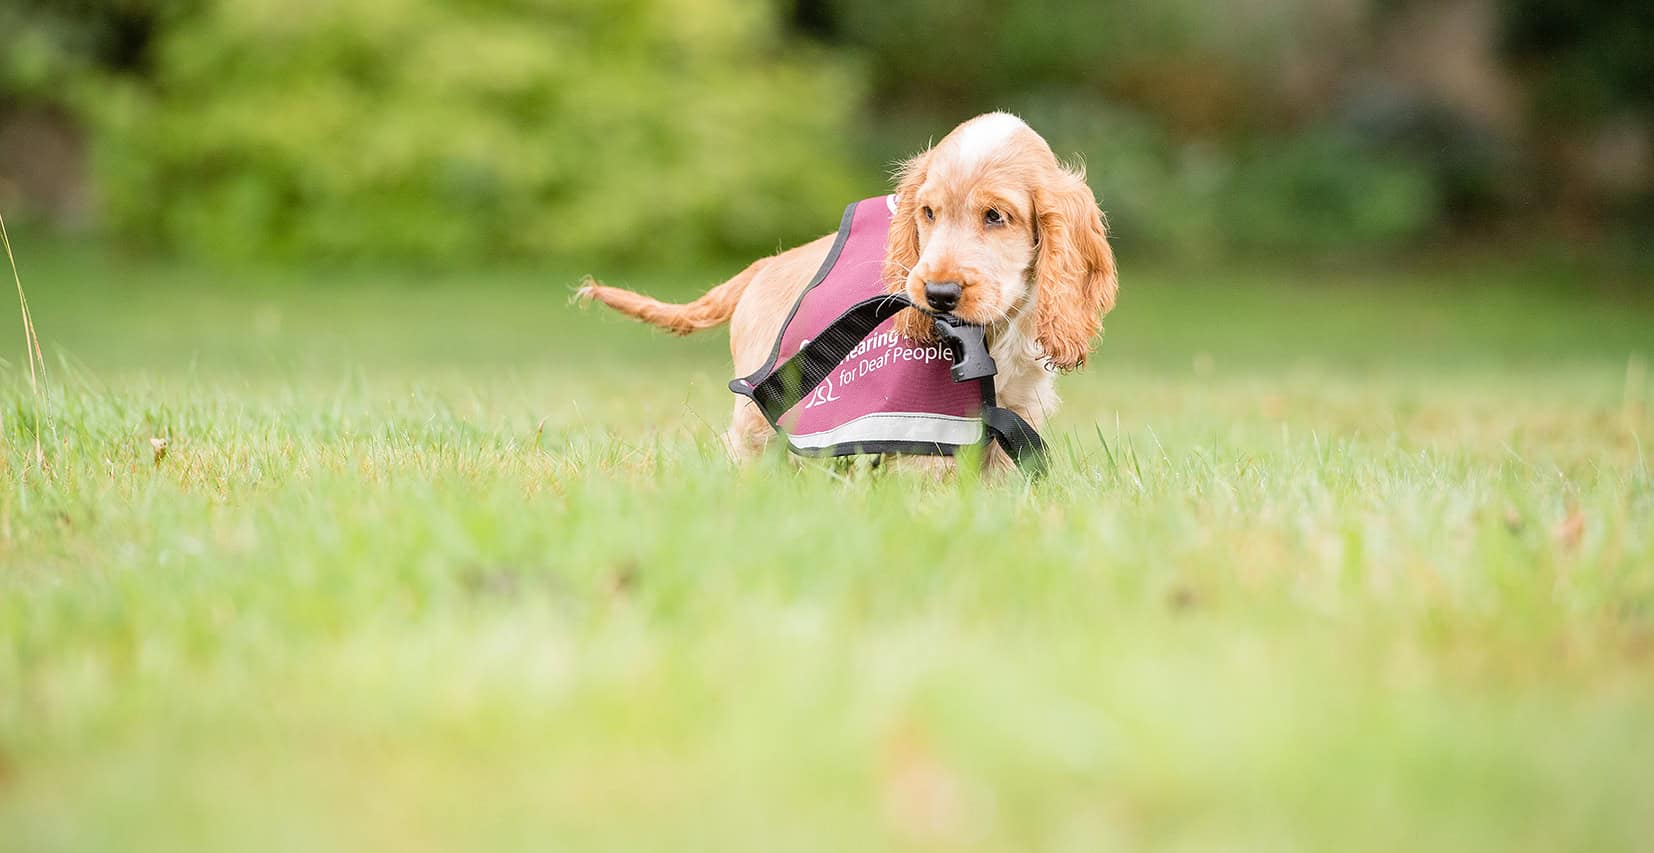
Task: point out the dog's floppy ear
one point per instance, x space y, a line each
901 251
1073 268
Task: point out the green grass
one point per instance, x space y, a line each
1327 561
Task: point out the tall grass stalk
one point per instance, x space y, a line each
31 350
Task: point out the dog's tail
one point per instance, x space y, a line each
712 309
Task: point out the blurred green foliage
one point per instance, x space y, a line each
1204 133
1584 59
1319 190
925 51
432 130
656 130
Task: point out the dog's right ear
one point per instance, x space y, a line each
901 251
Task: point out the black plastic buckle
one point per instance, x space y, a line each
968 345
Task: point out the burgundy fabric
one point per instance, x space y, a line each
887 372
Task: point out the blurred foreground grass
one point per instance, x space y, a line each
1328 561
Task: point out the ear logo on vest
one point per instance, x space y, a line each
863 387
822 395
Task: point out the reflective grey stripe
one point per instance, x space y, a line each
895 426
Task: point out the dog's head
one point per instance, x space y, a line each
989 219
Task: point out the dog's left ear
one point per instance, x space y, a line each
1073 269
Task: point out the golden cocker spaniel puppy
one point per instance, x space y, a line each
988 224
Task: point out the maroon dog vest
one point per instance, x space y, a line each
840 380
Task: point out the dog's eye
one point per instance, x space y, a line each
930 215
993 217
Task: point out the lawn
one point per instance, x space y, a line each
1328 560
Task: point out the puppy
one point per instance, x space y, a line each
988 224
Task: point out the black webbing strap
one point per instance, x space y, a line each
795 378
1017 438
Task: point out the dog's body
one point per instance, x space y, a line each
987 225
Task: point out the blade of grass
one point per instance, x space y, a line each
32 350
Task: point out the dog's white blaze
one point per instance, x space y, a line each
983 135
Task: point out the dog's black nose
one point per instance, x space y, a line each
943 295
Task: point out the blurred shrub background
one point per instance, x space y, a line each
655 130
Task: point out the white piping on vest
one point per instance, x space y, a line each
895 426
